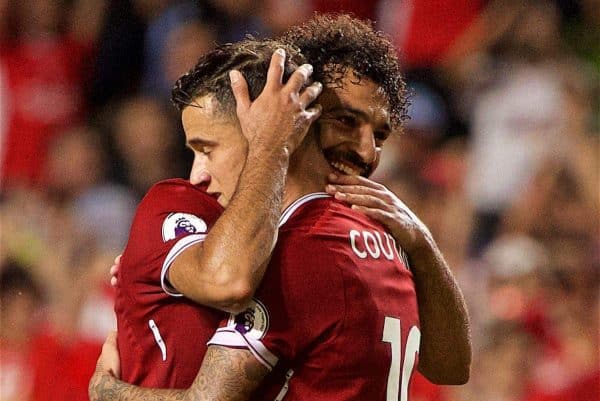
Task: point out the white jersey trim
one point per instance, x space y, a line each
289 211
158 338
229 337
179 247
286 385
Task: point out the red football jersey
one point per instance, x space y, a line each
162 336
336 311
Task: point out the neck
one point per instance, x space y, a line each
306 173
297 187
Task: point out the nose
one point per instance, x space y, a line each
199 174
365 146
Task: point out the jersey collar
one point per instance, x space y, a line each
289 211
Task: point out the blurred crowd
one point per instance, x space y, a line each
500 159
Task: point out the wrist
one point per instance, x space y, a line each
275 154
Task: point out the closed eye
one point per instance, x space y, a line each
205 150
200 146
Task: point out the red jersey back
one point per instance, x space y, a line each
161 335
336 310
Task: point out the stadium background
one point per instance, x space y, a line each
500 159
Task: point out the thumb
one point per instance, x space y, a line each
109 359
110 344
239 87
112 338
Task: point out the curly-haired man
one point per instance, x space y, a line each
336 317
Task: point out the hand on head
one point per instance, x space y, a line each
279 115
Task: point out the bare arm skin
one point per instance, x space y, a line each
106 387
226 374
224 270
445 352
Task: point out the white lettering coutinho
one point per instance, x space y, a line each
370 244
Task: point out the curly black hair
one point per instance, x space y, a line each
210 74
334 43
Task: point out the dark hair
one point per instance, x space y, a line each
210 75
333 43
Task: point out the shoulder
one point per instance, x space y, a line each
331 236
321 235
323 215
310 255
178 195
175 207
304 281
313 213
178 188
325 224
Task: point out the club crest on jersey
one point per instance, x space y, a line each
176 225
253 322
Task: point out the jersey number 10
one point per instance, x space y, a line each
393 335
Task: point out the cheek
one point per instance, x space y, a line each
231 170
232 174
330 137
234 161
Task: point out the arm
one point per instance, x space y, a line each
226 374
445 354
225 269
234 373
106 387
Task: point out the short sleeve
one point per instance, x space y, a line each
179 246
172 217
299 306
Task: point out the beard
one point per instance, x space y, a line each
350 158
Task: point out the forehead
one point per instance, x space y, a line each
363 95
204 107
205 117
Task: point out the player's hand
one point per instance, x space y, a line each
114 271
108 367
382 205
109 360
279 117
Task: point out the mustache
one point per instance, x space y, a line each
350 157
